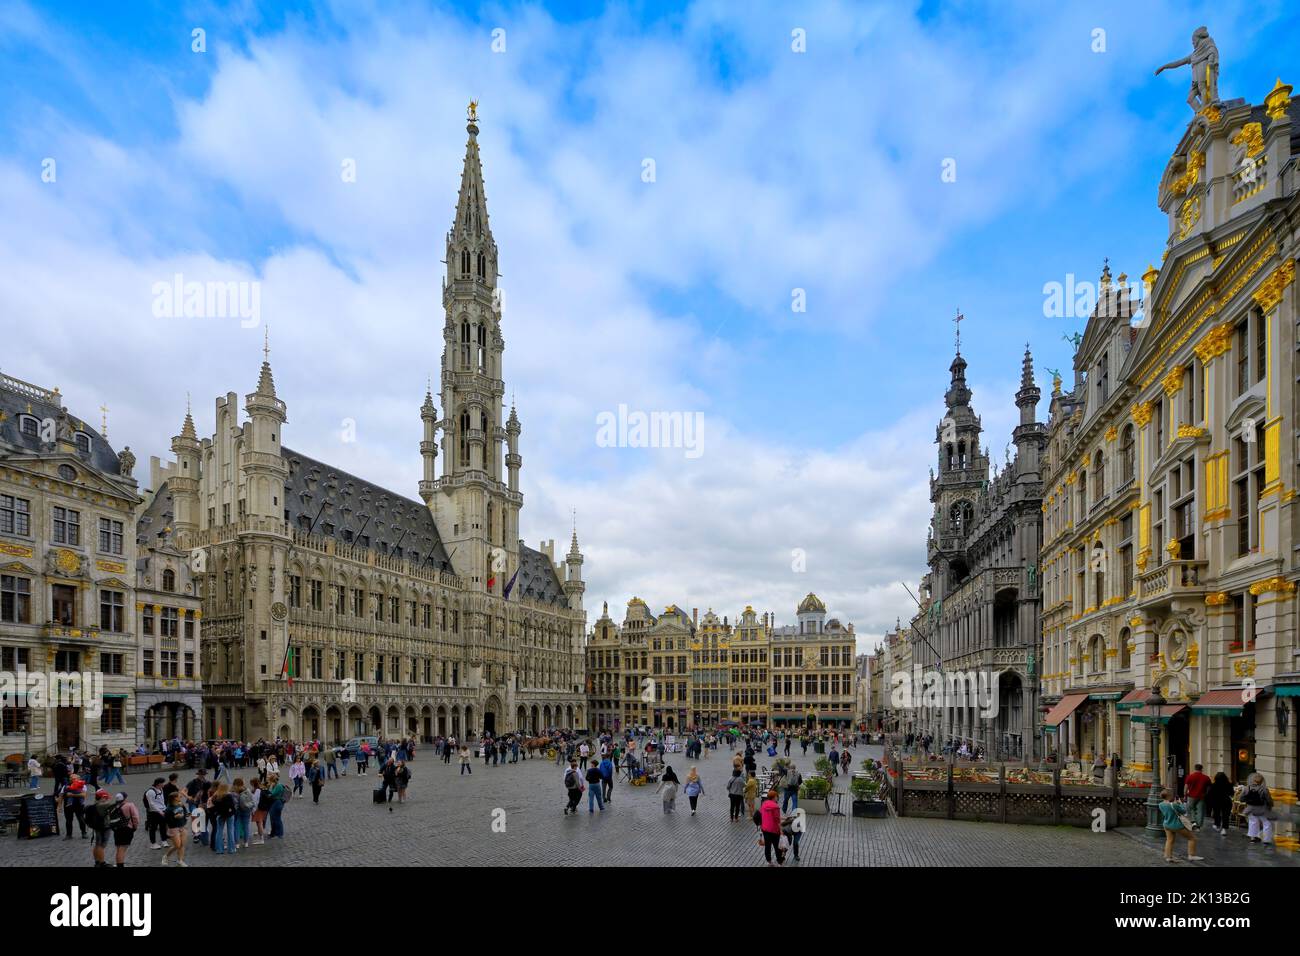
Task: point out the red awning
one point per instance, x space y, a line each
1221 700
1134 698
1064 709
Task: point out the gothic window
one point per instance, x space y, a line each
959 517
952 460
1098 654
464 262
464 438
482 266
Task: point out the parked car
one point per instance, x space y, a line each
353 746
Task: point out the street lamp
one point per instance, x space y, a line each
1154 826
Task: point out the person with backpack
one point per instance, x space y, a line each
174 817
101 817
572 786
222 818
790 788
316 777
244 805
1259 808
261 812
154 807
123 824
606 767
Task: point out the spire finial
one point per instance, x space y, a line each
103 430
266 343
956 323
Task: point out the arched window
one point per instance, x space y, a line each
1099 475
959 517
169 580
1097 657
464 439
1124 657
1083 493
464 262
1127 451
83 443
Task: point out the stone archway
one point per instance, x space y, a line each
521 720
536 726
455 723
426 720
546 718
356 722
469 721
442 721
376 722
333 725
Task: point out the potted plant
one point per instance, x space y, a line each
813 793
823 766
866 798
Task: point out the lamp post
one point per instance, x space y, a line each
1154 826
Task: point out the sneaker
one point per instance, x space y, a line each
181 863
1169 859
1195 859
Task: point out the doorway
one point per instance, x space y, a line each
1179 741
1242 734
490 723
69 727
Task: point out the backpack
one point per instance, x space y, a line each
572 781
1253 798
758 818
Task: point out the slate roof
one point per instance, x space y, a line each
538 580
18 399
394 520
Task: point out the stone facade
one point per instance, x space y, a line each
812 668
982 616
1170 520
334 607
67 572
751 667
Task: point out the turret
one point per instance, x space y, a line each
429 445
264 469
184 483
573 584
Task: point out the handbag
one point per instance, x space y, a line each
1187 822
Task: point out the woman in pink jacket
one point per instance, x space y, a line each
770 815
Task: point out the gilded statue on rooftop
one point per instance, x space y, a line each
1204 61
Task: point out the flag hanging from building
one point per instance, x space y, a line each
511 583
289 667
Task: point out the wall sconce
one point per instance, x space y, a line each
1283 716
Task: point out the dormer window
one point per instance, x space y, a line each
83 443
169 580
29 426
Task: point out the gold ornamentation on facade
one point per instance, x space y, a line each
1173 382
17 550
1190 431
1174 549
1216 342
1277 100
1269 294
1244 667
1191 174
1217 598
1143 557
1112 433
1212 114
1252 137
1194 655
67 561
1141 413
1280 585
1188 214
113 567
1135 622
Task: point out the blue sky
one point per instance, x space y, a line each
775 170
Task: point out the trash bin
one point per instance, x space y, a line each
819 747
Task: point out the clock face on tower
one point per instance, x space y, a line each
278 611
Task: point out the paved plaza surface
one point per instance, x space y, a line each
448 820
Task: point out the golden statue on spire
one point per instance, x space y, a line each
473 111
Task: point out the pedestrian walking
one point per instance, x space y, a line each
155 806
124 823
464 761
1259 809
1174 819
736 793
595 789
174 818
572 787
261 811
316 777
606 767
769 826
1219 799
1195 788
694 788
668 786
402 778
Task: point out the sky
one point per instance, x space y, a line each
762 216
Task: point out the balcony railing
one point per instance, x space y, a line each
1172 579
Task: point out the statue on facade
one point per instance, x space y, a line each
1204 61
126 462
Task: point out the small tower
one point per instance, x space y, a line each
1029 434
513 459
184 484
573 584
429 445
265 471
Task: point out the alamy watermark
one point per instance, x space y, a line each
637 429
44 689
946 690
179 299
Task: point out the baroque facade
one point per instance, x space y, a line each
1170 519
67 574
334 607
812 668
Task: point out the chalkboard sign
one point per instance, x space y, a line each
39 817
10 808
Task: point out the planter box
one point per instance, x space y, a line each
137 761
870 808
813 805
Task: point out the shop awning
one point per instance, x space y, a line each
1220 703
1134 698
1287 690
1144 715
1057 715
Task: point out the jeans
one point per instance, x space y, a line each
277 821
156 828
331 770
114 773
594 797
34 783
223 834
345 765
1255 823
465 768
737 801
790 795
242 819
1196 810
297 785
